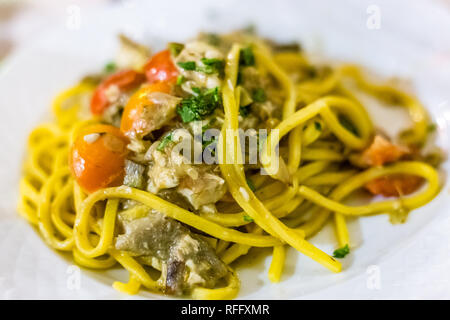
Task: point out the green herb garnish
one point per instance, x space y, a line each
347 124
244 110
251 185
248 218
206 143
110 67
196 90
212 66
318 126
205 127
259 95
188 65
164 142
200 105
341 252
246 57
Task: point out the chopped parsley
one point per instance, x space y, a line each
197 90
246 57
248 218
175 48
212 66
244 111
164 142
188 65
110 67
347 124
341 252
251 185
207 143
318 126
259 95
200 105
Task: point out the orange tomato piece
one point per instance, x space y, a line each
160 67
138 113
124 80
97 157
395 185
382 151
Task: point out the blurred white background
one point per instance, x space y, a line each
23 20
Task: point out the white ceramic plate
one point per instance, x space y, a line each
412 41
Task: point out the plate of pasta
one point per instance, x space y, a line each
215 164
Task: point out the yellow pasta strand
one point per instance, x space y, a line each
277 264
234 175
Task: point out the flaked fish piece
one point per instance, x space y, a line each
187 260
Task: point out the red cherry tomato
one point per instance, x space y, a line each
124 80
97 157
160 67
140 113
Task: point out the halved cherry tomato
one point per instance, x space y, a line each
97 157
382 151
137 117
161 68
124 80
394 186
